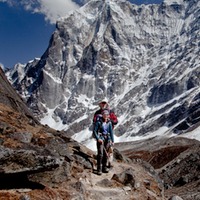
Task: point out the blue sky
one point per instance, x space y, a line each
27 25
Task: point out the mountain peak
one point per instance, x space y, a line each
143 59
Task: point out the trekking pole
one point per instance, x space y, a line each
106 152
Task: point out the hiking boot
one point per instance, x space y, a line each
105 170
99 169
99 172
110 166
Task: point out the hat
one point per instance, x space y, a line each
105 112
103 102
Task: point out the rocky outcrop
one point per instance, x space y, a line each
176 161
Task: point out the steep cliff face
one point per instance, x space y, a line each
143 59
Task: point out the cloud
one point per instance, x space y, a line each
51 9
55 9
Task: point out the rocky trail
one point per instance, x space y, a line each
124 181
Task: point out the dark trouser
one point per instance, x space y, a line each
102 156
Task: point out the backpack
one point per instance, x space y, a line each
113 117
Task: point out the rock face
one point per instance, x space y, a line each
143 59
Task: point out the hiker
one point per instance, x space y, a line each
113 118
98 114
103 132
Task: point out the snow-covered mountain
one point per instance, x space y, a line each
143 59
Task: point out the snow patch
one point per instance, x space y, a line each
170 2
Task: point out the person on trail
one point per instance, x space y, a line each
103 132
113 118
98 114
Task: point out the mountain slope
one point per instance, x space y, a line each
143 59
176 160
40 163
